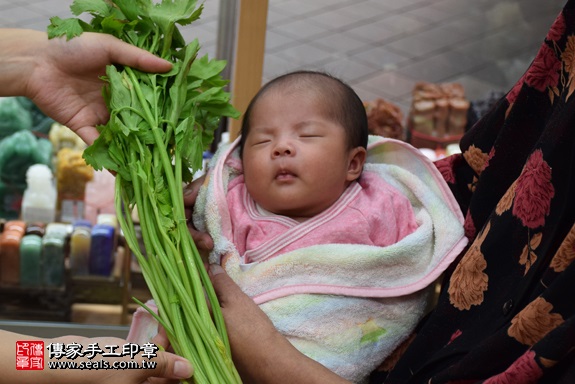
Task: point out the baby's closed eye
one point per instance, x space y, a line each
261 141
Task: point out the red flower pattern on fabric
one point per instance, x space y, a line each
490 156
545 69
512 95
469 227
445 167
455 335
534 192
524 370
557 30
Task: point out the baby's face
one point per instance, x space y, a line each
295 159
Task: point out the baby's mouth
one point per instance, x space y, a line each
284 174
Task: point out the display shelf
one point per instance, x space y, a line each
55 303
35 303
96 289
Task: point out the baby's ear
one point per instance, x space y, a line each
355 163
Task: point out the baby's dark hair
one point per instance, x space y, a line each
342 103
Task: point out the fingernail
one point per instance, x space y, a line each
183 369
188 190
216 269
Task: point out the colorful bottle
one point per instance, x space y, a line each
53 254
102 249
39 200
80 247
30 260
10 252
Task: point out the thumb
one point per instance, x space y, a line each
170 366
226 289
192 189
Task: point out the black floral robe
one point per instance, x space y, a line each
506 313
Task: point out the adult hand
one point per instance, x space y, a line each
203 241
62 77
169 368
260 353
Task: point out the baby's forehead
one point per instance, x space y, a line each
312 94
290 89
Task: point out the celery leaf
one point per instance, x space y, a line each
67 27
99 7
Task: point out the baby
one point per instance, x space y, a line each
338 236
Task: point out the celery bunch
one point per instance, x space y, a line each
159 126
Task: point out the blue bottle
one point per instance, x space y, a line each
102 250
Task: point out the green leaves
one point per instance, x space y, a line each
68 27
98 155
169 12
95 7
133 9
206 69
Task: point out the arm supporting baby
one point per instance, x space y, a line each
260 353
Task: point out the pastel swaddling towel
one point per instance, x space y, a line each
347 306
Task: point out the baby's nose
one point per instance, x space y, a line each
283 149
